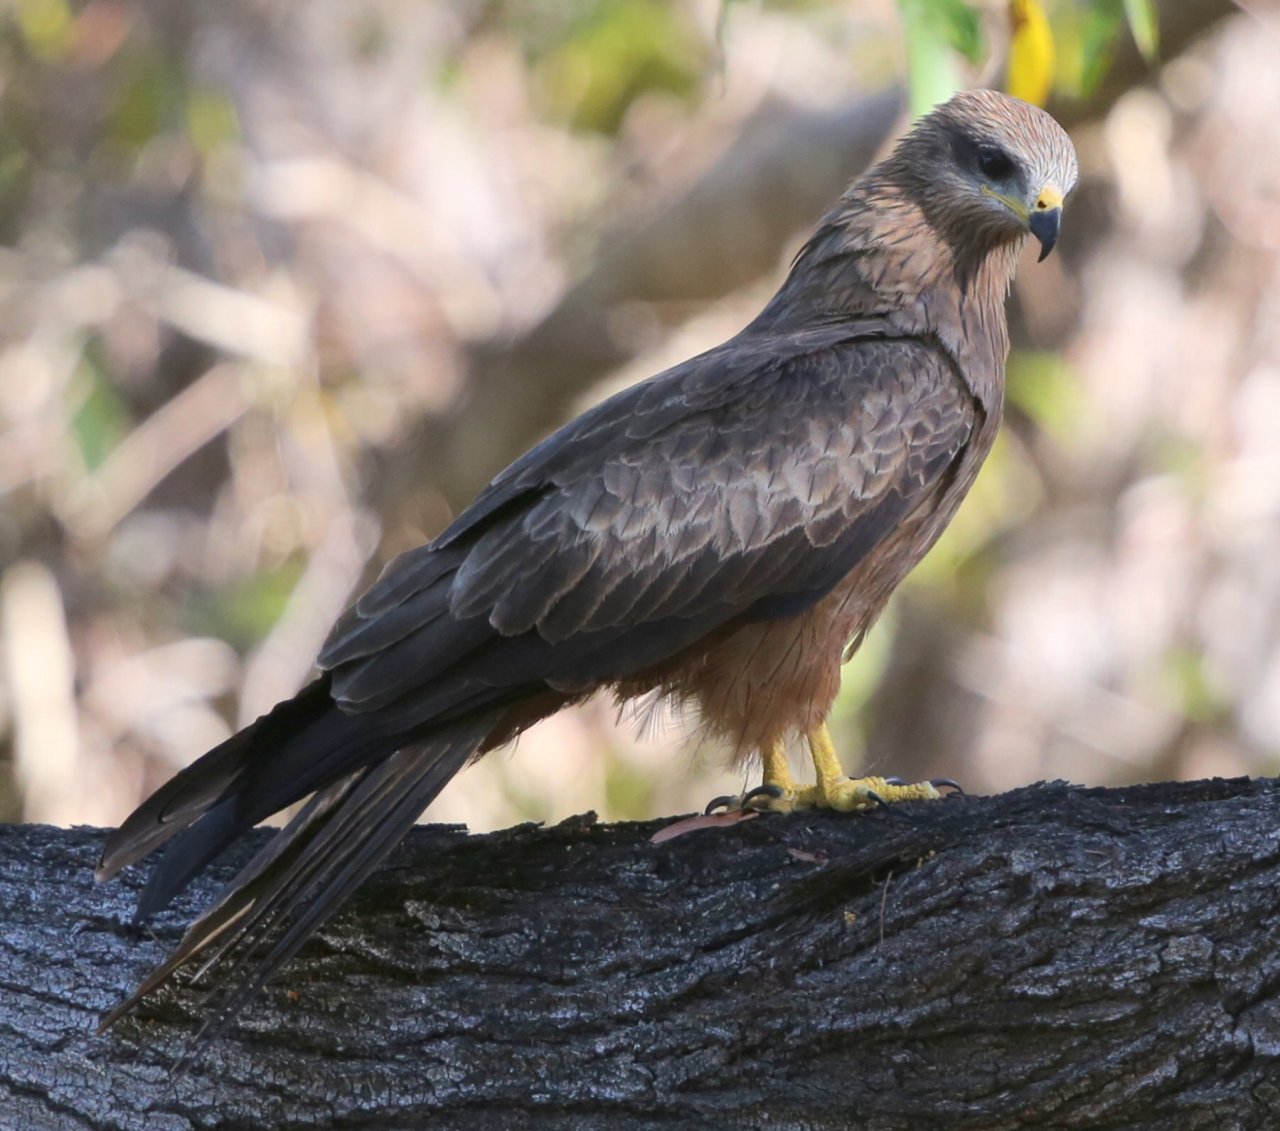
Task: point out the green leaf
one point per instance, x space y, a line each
958 21
628 793
620 50
1086 36
1144 22
15 169
101 418
212 122
245 611
1047 389
1191 689
150 96
934 30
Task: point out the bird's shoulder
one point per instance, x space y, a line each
752 388
754 444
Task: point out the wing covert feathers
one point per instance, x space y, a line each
677 501
716 534
722 492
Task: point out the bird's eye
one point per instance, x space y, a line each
994 163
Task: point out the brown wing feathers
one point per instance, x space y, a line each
729 493
581 570
580 576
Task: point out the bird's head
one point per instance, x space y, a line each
987 169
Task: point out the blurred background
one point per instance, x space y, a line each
282 285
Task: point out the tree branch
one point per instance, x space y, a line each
1053 957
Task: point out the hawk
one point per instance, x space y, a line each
719 534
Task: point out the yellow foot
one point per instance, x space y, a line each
768 798
777 795
834 790
847 794
841 793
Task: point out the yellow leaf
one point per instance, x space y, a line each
1031 52
48 26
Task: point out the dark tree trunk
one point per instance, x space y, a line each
1053 957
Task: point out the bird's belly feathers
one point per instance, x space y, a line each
773 680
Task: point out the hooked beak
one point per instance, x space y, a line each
1045 220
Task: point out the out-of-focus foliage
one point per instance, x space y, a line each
1144 22
246 247
1025 39
934 30
1087 35
604 55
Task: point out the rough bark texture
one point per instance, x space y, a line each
1053 957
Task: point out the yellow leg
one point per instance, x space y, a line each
833 790
776 794
777 771
826 763
836 791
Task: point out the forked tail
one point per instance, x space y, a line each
306 871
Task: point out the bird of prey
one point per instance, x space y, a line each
719 534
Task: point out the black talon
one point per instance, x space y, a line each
772 791
896 812
937 783
742 802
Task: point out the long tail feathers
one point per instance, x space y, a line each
310 868
189 795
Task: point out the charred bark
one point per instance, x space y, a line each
1053 957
